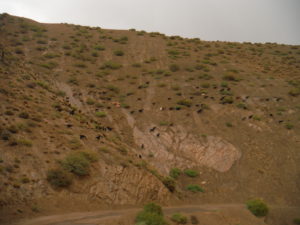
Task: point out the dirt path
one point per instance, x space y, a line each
98 217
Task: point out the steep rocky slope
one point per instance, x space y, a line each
143 104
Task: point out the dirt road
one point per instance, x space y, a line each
99 217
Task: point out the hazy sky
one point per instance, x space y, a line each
227 20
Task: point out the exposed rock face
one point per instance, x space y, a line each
119 185
175 147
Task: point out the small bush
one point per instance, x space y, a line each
170 183
191 173
24 142
118 53
59 178
185 102
101 114
179 218
257 207
111 65
153 208
174 67
294 92
230 77
151 215
175 173
24 115
194 188
227 100
99 48
78 162
289 126
113 88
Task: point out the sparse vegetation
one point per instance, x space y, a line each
191 173
257 207
78 162
185 102
101 114
194 188
175 173
179 218
170 183
151 215
118 52
59 178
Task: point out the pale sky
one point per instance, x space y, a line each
225 20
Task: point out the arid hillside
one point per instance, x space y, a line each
94 118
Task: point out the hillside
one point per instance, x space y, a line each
94 118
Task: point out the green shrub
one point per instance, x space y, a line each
148 218
118 52
90 101
194 188
170 183
24 142
257 207
289 126
227 100
175 173
111 65
78 162
99 48
153 208
101 114
151 215
191 173
179 218
294 92
59 178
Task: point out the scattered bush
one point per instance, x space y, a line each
191 173
289 126
118 53
194 188
99 48
113 88
24 142
101 114
111 65
24 115
170 183
5 134
227 100
175 173
294 92
79 162
59 178
257 207
230 77
185 102
179 218
151 215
